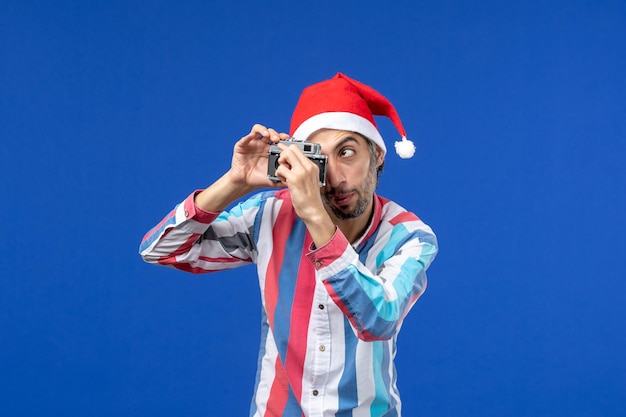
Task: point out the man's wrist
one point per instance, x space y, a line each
321 228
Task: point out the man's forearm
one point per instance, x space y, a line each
221 194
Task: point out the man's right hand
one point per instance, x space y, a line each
250 156
247 173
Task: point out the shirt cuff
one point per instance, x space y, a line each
328 254
193 212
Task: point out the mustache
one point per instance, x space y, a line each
331 192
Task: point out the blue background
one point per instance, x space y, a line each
112 112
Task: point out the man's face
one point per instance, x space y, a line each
351 176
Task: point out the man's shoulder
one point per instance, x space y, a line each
394 214
398 221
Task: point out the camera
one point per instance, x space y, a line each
313 151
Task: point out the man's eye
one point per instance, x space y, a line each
347 152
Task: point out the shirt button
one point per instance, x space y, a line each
186 213
321 306
322 348
318 264
315 392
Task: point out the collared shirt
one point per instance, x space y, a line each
331 314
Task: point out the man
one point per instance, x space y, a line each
339 267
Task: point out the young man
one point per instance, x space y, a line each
339 267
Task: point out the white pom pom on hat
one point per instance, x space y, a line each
343 103
405 148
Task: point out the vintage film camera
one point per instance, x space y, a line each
313 151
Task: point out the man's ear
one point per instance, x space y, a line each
380 157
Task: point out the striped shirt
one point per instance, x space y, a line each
330 315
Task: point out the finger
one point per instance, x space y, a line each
293 173
288 155
278 184
259 131
274 136
292 153
255 133
296 161
285 172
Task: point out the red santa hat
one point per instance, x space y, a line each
345 104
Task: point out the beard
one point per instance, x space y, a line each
364 193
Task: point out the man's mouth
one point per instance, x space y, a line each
341 199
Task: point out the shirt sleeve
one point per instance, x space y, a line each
197 241
376 300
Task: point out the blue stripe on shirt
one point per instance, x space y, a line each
348 394
258 219
347 286
406 288
239 209
399 236
292 407
364 248
264 333
380 359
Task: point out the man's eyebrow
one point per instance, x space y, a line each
344 141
